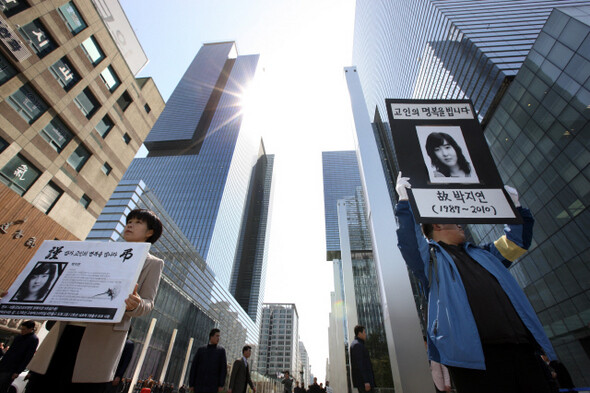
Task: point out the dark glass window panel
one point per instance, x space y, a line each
57 134
7 71
3 144
147 108
13 7
126 138
106 168
19 174
48 197
64 73
87 103
79 158
574 33
92 50
104 126
85 201
124 101
38 38
72 17
27 103
110 78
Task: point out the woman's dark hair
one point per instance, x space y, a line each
152 221
437 139
42 268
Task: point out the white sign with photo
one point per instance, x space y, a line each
76 281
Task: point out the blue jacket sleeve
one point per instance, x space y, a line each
516 239
411 241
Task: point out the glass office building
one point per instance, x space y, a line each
209 168
189 299
354 267
524 64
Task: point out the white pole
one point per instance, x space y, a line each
168 355
146 344
186 359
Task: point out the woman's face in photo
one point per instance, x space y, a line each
37 281
446 154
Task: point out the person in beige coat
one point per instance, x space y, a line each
77 357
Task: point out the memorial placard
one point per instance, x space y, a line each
440 146
76 281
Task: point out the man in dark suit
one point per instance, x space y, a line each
240 373
209 367
362 370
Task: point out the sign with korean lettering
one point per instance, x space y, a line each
12 42
440 146
76 281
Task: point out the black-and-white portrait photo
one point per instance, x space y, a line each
38 284
446 155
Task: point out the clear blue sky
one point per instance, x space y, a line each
302 110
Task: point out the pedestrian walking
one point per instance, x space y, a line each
240 373
362 370
209 367
18 355
287 382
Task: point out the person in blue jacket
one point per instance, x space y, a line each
480 323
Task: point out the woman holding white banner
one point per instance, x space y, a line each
82 357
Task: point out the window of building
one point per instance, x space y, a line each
56 134
104 126
87 103
79 158
147 108
19 174
3 144
64 73
126 138
7 71
92 50
48 197
124 101
106 168
27 103
71 16
110 78
13 7
38 38
85 201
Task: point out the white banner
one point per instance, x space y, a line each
462 203
76 281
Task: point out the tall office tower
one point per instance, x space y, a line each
72 117
209 168
355 273
190 299
279 340
528 79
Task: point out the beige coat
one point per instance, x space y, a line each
102 343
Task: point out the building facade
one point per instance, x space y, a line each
304 367
524 66
279 340
356 283
208 166
72 117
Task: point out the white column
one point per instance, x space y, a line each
186 359
168 355
409 363
146 344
